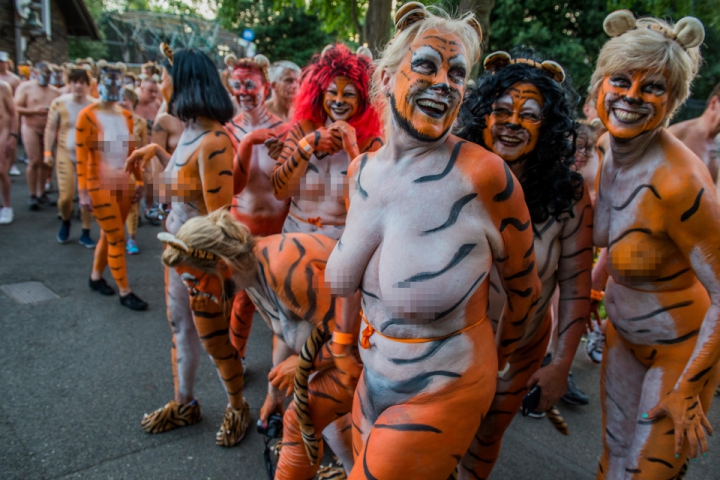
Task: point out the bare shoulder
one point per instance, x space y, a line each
482 167
685 174
359 163
216 141
681 129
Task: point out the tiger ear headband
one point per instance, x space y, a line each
103 65
259 61
413 12
174 242
167 52
496 61
688 32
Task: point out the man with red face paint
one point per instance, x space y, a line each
334 122
253 203
659 217
429 216
522 112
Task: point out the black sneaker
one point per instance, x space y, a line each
573 394
133 302
64 232
46 201
101 286
33 203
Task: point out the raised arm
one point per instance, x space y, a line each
215 164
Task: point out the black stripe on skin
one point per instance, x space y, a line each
408 427
658 460
627 232
312 167
216 333
692 406
509 186
576 320
361 190
695 206
573 276
530 250
214 190
431 350
522 293
366 469
365 292
275 125
516 392
199 137
479 459
673 276
635 193
616 403
310 292
267 261
228 172
87 117
462 252
448 167
575 254
519 226
457 304
700 375
105 218
375 140
317 138
216 153
419 382
201 314
633 470
287 285
686 303
468 470
282 242
454 213
539 233
610 434
522 273
652 355
318 394
681 339
579 223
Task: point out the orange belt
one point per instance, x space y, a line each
317 221
369 330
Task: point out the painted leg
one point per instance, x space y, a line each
241 321
66 182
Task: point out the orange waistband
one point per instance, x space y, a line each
317 221
369 330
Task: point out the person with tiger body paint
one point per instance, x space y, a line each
198 179
104 138
334 122
429 353
254 203
522 111
283 274
659 219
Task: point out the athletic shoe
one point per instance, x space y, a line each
14 171
536 414
594 346
132 302
171 416
33 203
152 214
6 215
234 425
48 187
64 232
573 394
85 239
131 247
101 286
47 201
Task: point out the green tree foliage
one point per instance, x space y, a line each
83 48
289 33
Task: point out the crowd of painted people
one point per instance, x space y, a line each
427 249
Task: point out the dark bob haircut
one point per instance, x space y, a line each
197 89
549 183
79 75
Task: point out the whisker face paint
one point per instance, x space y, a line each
249 88
341 99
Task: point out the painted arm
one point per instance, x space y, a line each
241 165
51 130
215 164
84 129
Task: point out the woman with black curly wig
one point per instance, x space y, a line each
521 111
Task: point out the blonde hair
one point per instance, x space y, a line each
217 233
465 27
655 45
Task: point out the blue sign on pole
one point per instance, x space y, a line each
248 35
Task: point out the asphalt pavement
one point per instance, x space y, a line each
77 373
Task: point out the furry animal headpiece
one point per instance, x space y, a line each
174 242
258 62
338 61
688 32
498 60
103 66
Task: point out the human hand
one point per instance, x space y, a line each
41 111
282 376
274 146
348 137
10 146
325 141
259 136
690 421
274 403
346 363
48 160
552 380
140 157
85 201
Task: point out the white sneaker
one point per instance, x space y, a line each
6 215
594 346
14 171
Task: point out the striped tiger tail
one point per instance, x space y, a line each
302 408
553 414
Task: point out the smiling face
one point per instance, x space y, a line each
249 88
341 100
632 103
514 125
110 86
426 91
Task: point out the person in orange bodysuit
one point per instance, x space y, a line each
522 111
284 277
659 219
429 216
198 179
104 136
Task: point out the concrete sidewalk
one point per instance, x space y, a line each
78 372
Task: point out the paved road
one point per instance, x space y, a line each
78 372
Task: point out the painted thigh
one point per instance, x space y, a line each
185 342
110 211
328 402
241 321
480 458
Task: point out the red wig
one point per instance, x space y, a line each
338 61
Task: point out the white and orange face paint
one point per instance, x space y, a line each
341 99
249 87
429 85
632 103
514 125
202 282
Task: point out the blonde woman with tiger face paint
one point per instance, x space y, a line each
658 216
429 355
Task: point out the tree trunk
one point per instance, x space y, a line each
378 24
482 10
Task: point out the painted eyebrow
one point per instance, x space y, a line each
436 37
422 50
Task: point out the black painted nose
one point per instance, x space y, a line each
443 87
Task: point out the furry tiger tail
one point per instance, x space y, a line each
553 414
302 373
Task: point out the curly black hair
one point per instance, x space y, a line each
549 183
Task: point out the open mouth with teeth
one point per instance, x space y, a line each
509 141
340 110
625 116
432 108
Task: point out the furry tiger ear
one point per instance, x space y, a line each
101 64
689 32
230 60
475 24
619 22
167 52
408 14
365 52
121 66
326 49
554 70
596 123
262 61
496 61
170 239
